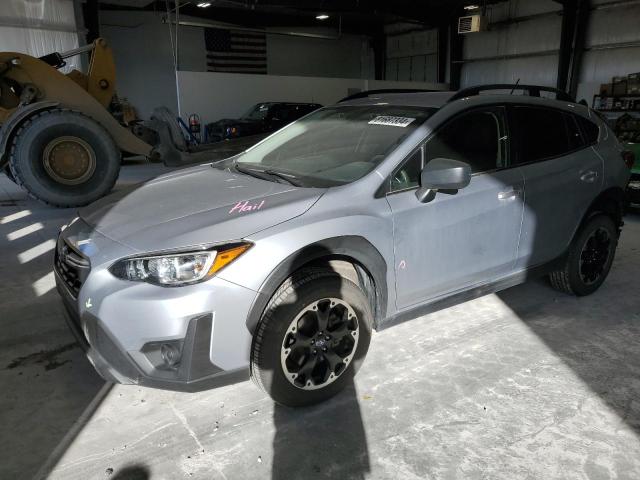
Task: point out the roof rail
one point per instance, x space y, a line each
367 93
532 90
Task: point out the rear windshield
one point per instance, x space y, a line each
335 145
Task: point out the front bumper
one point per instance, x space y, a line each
123 326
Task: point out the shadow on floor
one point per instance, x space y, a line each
132 472
597 340
50 390
326 439
321 441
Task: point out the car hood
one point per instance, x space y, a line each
194 206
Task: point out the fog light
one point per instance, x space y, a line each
170 354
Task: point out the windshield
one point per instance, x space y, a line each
335 145
257 112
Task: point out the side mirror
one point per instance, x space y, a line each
442 174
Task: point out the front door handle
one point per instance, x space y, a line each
507 194
589 176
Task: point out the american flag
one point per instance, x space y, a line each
235 51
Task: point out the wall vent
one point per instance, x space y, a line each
472 23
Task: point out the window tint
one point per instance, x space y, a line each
408 175
543 133
477 138
283 112
573 132
589 129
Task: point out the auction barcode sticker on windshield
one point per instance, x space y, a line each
391 121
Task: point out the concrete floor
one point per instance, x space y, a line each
526 384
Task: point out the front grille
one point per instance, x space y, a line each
72 266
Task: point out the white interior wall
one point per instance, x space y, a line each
214 95
347 56
56 28
145 72
144 64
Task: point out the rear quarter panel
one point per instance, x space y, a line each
616 173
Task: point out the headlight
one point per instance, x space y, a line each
176 269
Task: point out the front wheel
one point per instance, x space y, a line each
589 259
312 338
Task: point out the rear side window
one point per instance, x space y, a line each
590 130
542 134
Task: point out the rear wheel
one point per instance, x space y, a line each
313 337
589 259
64 158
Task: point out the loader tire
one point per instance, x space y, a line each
64 158
7 172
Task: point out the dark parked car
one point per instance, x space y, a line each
261 118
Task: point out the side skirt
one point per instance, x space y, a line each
469 294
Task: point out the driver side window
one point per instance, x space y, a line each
478 138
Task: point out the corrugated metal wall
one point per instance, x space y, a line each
609 27
524 40
412 56
612 43
526 49
38 27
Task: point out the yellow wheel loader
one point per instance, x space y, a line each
59 139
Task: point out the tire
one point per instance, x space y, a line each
584 271
64 158
7 172
273 350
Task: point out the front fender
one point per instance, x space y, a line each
352 248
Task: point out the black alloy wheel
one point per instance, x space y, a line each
319 343
594 256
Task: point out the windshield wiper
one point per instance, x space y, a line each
252 172
284 176
267 175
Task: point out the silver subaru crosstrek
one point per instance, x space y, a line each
278 262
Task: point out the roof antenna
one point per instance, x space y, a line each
514 87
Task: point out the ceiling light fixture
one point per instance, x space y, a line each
471 7
322 16
204 4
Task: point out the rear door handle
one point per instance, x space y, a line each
589 176
507 194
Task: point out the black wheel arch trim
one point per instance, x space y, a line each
367 260
602 204
611 201
12 124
